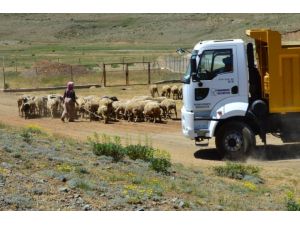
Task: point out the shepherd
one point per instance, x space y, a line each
69 101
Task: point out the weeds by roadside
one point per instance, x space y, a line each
159 160
28 132
291 203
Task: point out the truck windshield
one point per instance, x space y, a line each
187 75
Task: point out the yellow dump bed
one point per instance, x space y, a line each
279 68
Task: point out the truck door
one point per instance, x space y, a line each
217 72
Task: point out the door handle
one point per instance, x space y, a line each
234 90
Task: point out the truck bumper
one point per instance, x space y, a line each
187 124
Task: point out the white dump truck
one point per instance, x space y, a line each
228 96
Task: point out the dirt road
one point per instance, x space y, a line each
165 136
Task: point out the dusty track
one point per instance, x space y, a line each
165 136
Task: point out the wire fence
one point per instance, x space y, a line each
18 72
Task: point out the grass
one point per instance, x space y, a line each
93 39
129 183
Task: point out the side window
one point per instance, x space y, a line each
214 62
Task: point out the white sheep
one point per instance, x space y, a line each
166 91
167 105
153 89
134 110
105 108
159 99
119 108
152 111
175 92
55 105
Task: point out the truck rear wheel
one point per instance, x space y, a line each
234 140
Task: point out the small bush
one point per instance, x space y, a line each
117 152
27 136
28 131
291 202
160 165
236 170
139 152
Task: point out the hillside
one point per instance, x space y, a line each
144 30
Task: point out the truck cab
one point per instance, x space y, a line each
217 89
229 97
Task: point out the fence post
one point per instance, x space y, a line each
104 76
149 78
127 74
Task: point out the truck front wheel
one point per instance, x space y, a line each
235 140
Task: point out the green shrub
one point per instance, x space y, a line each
291 202
117 152
160 165
139 152
159 160
27 136
236 170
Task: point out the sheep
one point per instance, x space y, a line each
153 89
159 99
22 99
105 108
28 108
119 108
166 91
152 111
103 112
141 98
91 106
134 109
167 105
113 98
175 92
54 105
41 105
180 96
80 107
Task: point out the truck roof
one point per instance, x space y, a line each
218 43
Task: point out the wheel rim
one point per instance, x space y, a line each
233 142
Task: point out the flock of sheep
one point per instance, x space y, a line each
108 108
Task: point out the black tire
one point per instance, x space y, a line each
235 140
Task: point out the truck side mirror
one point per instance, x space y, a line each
193 66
